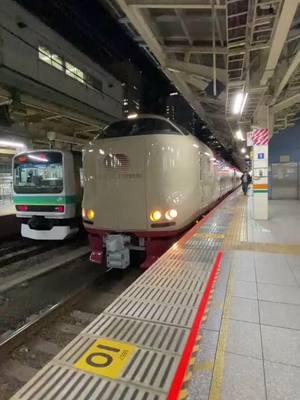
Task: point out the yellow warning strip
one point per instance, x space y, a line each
218 373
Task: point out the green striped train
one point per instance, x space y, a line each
48 193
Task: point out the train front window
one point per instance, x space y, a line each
139 126
38 172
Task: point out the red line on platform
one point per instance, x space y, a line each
187 353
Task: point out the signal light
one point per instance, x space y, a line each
60 209
155 216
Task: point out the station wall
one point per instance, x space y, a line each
285 144
284 164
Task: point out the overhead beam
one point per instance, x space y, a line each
185 4
194 49
286 103
211 100
279 37
292 67
135 15
196 81
184 27
197 69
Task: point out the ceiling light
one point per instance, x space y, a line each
173 70
174 94
243 150
239 135
7 143
239 103
132 116
244 102
247 157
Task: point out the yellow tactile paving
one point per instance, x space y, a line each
217 379
237 230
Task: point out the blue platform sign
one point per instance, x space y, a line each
261 156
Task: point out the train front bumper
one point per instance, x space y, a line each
55 233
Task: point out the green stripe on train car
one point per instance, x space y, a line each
45 200
261 191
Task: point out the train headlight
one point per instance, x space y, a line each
155 216
83 213
171 214
90 215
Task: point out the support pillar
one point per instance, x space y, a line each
260 139
260 181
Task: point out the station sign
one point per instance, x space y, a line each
106 358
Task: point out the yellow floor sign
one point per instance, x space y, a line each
106 358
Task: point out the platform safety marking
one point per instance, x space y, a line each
106 358
204 235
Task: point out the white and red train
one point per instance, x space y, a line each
146 180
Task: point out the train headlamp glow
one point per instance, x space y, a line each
83 213
155 216
171 214
90 215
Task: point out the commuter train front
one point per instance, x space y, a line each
145 181
47 193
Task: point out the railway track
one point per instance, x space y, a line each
28 347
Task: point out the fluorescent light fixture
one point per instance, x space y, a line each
239 135
174 94
207 154
244 102
8 143
101 151
195 145
239 103
37 158
173 70
132 116
243 150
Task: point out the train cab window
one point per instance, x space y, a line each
139 126
38 172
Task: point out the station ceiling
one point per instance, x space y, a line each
216 50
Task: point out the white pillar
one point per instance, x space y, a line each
260 181
260 167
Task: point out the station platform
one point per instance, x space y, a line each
216 317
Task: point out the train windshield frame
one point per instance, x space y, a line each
38 173
138 127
